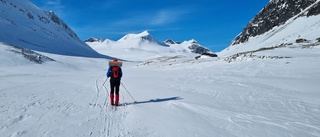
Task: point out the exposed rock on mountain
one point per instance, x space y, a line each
93 40
195 47
169 41
275 13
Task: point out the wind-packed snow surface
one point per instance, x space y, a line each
175 96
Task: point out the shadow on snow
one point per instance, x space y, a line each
154 100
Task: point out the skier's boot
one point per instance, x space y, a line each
112 99
117 100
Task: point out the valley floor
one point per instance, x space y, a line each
191 98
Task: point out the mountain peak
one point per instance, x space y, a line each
193 41
169 41
144 33
143 36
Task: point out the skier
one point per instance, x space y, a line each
115 73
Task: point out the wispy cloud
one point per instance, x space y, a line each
54 5
167 16
109 4
157 18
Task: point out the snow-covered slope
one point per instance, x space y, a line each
16 56
25 25
190 46
131 46
275 13
175 96
142 39
298 27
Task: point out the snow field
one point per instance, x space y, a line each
245 99
179 96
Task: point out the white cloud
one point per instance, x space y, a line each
163 17
149 18
53 2
54 5
167 17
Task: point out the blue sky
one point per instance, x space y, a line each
213 23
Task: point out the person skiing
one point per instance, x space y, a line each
115 73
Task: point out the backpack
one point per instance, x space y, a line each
115 72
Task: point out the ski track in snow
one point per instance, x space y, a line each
109 122
46 111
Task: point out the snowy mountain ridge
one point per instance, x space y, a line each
141 40
145 42
274 14
142 37
304 25
40 30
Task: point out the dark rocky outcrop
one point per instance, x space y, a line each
93 40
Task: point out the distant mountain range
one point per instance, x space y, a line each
146 40
24 25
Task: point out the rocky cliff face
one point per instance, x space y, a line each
275 13
314 10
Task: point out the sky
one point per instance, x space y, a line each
212 23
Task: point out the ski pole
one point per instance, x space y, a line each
128 92
101 85
104 83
